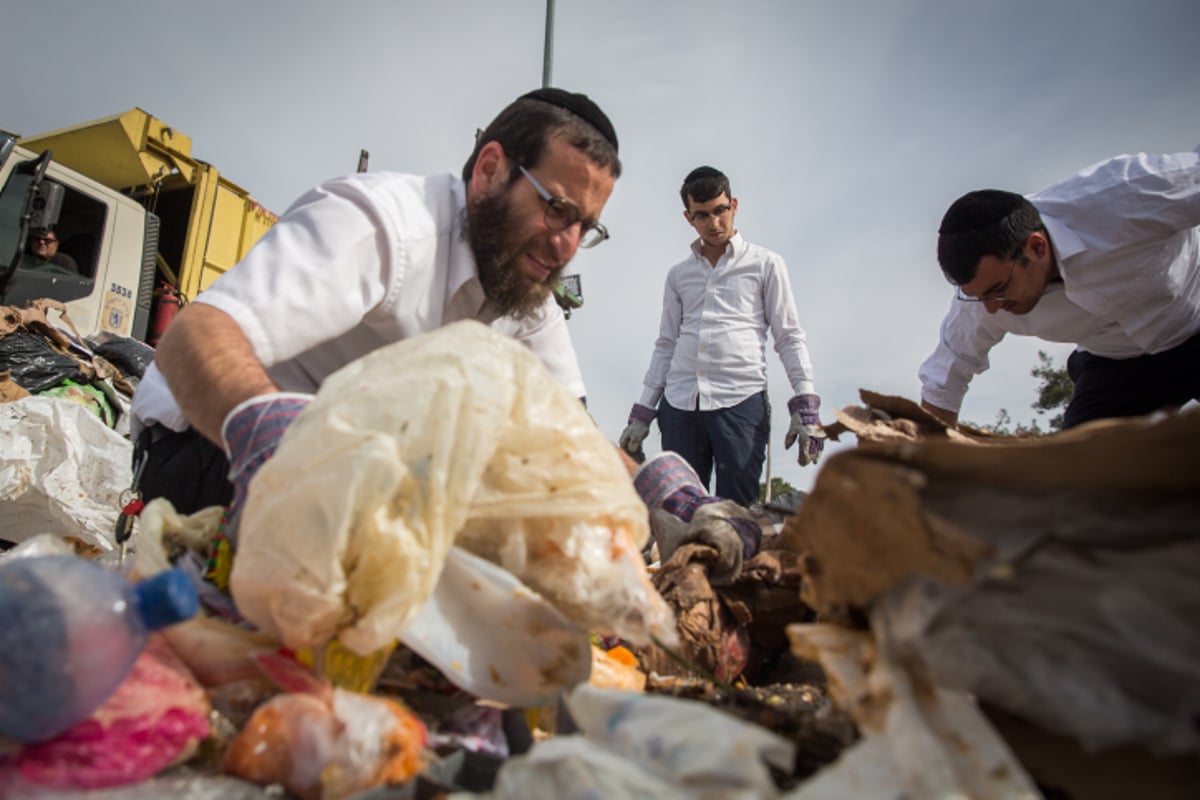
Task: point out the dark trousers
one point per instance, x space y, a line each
1130 387
733 439
185 468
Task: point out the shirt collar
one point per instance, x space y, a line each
1063 240
735 246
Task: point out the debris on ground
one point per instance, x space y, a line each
945 613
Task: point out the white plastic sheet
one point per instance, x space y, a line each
62 472
919 740
636 745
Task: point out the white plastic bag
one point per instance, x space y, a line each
62 471
458 433
919 740
636 745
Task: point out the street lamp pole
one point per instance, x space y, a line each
548 51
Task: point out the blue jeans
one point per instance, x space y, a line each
733 439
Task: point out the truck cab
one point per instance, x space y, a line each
105 233
147 226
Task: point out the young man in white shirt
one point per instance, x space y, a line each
1108 259
366 260
707 379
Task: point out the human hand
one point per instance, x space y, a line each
251 432
636 431
805 428
682 512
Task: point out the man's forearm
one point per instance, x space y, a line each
210 367
945 415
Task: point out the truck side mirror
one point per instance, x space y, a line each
45 202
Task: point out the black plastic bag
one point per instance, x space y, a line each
128 355
35 364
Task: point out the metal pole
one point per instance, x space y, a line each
767 490
548 51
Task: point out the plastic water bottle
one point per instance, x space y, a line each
70 630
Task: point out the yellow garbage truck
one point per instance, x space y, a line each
146 225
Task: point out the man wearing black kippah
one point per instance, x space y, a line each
366 260
1108 260
707 379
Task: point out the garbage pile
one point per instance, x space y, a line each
64 424
442 586
44 356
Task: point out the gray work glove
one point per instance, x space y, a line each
636 431
251 432
681 512
805 428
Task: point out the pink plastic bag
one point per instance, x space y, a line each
155 719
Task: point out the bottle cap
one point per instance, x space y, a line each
166 598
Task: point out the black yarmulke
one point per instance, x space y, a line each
580 105
703 172
979 209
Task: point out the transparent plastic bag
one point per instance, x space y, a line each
459 435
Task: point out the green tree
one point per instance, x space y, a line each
778 487
1054 392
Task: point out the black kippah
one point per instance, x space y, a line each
578 104
979 209
703 172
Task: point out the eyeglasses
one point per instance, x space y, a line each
561 214
44 239
705 216
993 295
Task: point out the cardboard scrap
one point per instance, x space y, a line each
886 418
1051 577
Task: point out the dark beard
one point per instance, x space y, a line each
487 227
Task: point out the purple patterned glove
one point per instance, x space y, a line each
805 428
682 512
251 433
636 431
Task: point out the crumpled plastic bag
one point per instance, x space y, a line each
458 436
635 745
215 650
62 471
919 740
325 743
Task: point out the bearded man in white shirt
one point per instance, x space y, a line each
363 261
1108 259
707 381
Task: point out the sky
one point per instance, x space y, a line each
846 128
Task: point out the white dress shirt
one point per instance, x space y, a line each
1124 234
357 263
711 345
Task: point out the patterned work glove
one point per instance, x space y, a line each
681 512
251 432
806 428
636 431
